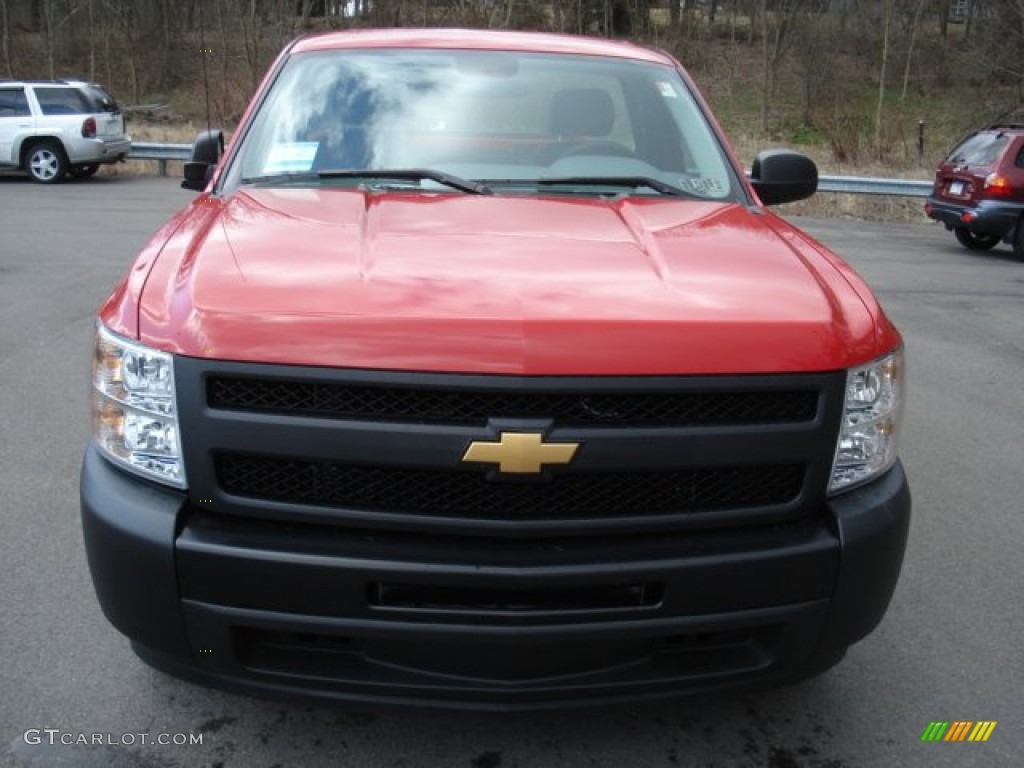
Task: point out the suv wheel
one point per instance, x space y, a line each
83 171
46 162
974 241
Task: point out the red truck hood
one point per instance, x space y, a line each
502 284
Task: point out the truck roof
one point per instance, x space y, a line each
477 39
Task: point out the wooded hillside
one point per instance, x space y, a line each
852 77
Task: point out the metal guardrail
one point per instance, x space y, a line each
850 185
863 185
142 150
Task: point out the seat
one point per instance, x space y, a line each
581 113
580 120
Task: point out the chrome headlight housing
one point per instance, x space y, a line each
134 411
872 414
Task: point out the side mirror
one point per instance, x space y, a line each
207 150
782 176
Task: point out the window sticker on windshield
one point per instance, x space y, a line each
708 187
667 90
291 157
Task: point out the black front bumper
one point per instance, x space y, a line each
987 217
336 614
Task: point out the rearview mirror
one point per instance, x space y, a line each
207 150
782 176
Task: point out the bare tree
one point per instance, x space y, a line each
127 23
49 25
887 6
92 42
915 25
766 81
776 37
54 16
996 48
817 45
5 40
108 32
252 33
223 52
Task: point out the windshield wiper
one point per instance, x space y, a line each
416 174
446 179
633 182
282 178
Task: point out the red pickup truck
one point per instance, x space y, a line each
480 375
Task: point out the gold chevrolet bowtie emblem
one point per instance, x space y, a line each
520 452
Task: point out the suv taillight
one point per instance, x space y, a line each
997 185
89 128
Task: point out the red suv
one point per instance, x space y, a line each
979 189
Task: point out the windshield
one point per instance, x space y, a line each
507 119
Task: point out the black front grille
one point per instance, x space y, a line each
475 406
468 494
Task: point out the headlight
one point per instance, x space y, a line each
871 422
134 414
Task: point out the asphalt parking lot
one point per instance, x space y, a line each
950 648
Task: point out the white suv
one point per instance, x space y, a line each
53 127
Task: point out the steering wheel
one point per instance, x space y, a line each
598 148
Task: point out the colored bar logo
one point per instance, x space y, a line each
958 730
